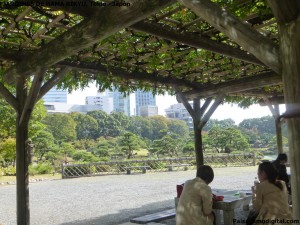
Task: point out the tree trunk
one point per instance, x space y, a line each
23 214
290 52
198 144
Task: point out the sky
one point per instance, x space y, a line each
224 111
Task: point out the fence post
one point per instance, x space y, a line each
254 159
62 171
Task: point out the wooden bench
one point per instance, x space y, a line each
177 165
143 168
155 217
129 223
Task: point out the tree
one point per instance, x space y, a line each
43 143
101 118
178 127
158 123
86 126
62 126
122 118
129 142
8 151
141 126
8 117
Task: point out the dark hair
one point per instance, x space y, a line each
271 173
206 173
282 157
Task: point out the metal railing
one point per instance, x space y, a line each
153 165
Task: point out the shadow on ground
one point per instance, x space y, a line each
124 215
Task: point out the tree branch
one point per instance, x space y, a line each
247 37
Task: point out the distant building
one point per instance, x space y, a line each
121 103
56 95
57 107
148 110
101 99
178 111
143 98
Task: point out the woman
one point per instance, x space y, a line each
270 197
195 203
279 164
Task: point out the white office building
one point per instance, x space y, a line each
104 100
178 111
144 98
148 110
56 95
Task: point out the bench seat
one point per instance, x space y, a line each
143 168
155 217
129 223
177 165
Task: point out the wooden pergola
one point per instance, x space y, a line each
196 48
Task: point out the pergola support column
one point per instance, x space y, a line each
200 118
276 113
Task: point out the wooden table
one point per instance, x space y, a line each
229 204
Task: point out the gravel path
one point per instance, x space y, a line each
110 200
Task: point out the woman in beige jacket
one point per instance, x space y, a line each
270 197
195 203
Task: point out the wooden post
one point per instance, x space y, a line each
278 129
23 213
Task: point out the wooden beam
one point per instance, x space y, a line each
243 84
244 35
285 11
32 96
164 31
274 113
211 110
99 69
196 41
273 100
181 98
107 21
54 80
11 99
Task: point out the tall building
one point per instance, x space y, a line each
56 95
143 98
178 111
104 100
148 110
121 102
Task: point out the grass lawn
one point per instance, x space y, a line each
40 176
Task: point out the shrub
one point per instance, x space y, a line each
10 171
41 168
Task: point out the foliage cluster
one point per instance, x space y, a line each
98 136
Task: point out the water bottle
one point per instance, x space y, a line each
256 182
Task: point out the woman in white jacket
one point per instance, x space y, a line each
195 203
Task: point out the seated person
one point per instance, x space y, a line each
279 164
195 203
270 197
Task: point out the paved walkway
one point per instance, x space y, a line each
109 200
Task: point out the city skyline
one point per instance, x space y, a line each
224 111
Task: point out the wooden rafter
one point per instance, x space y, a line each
88 32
